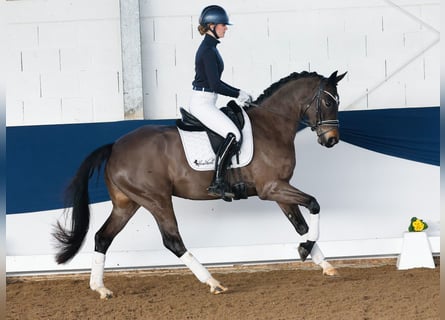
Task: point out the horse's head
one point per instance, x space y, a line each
322 111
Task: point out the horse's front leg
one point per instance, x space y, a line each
289 198
295 216
283 193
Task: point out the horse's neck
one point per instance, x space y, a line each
283 110
281 113
276 122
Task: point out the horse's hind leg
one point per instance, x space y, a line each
162 210
123 210
295 216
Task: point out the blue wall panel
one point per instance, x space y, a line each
409 133
42 159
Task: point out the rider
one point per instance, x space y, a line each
207 85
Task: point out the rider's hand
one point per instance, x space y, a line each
244 98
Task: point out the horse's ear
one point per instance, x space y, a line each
338 78
333 76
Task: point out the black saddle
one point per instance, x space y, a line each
191 123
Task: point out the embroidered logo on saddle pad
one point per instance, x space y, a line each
199 152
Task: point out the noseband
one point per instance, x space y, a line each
320 122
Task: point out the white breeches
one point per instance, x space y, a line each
203 106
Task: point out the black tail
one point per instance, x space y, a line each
76 196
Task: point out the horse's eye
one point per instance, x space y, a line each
328 103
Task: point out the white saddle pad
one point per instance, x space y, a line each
199 152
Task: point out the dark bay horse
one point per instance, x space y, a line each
148 166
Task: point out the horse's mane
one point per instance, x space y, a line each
275 86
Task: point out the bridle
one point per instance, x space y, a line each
319 122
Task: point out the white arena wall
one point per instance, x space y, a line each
366 202
65 66
64 58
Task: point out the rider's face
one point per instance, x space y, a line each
220 30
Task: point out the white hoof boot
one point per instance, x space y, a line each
97 276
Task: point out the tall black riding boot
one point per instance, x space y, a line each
219 186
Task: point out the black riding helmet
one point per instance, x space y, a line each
213 14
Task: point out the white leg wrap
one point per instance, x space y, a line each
196 267
314 226
97 271
317 255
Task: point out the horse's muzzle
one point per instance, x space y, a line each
329 137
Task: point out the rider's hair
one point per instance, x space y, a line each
203 29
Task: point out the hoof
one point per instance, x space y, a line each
303 253
332 272
105 294
304 249
218 289
329 270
